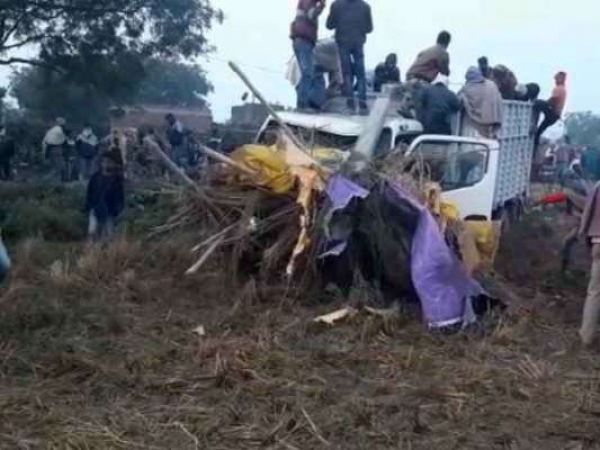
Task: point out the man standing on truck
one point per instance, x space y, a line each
506 81
387 72
304 32
484 67
438 104
352 21
482 102
328 79
553 107
432 61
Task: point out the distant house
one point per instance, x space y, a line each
196 119
250 115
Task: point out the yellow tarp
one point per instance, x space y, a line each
478 240
270 166
281 168
445 211
479 243
309 182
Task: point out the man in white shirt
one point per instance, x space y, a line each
53 147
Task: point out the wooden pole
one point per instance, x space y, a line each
169 163
273 113
369 137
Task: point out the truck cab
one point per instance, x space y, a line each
487 179
342 131
465 168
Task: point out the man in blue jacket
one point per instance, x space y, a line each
105 199
352 21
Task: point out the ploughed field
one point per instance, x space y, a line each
98 351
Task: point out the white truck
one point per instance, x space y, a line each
342 131
486 179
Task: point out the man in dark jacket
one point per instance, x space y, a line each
7 152
105 198
176 138
304 33
387 72
86 146
438 104
506 81
484 67
352 21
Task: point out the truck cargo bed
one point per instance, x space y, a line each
516 151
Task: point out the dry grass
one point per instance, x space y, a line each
97 352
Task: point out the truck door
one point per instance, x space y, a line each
465 168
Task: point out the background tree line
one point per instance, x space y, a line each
78 58
583 128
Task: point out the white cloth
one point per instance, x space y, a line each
442 79
55 136
177 126
87 136
326 57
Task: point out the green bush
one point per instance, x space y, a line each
53 212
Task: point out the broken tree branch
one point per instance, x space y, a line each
273 113
176 170
198 264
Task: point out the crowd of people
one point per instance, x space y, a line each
102 163
427 78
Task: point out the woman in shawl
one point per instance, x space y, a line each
482 102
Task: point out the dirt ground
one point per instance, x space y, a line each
97 352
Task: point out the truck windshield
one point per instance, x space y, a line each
316 138
312 137
454 165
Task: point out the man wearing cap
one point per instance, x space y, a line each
438 104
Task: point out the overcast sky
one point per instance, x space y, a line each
535 38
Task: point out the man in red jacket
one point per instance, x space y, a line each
304 32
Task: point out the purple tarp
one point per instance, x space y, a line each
341 191
440 280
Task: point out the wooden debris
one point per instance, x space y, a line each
198 264
336 316
199 330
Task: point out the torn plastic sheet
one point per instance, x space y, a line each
336 249
442 284
441 281
340 191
